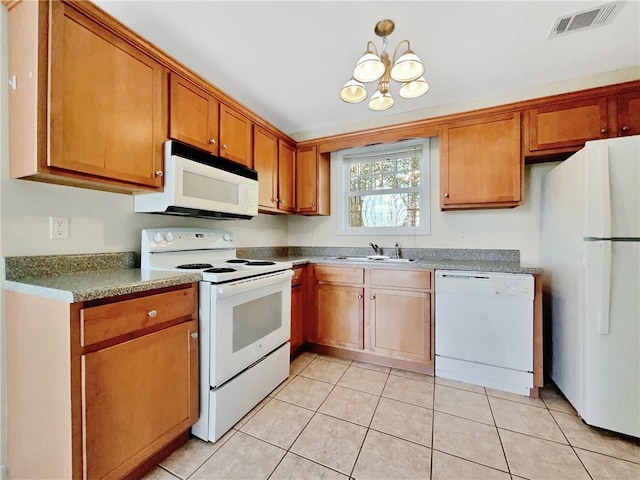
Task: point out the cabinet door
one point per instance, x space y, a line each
297 319
286 177
629 114
480 164
401 324
306 177
136 397
235 136
313 174
568 124
107 106
193 115
265 161
340 316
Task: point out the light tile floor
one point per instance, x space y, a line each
335 419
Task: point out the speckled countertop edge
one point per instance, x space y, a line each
77 278
422 264
477 260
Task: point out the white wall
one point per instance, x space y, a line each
516 228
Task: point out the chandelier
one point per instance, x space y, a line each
406 69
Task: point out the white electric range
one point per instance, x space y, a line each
244 319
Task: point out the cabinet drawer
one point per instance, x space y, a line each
297 276
339 274
115 319
416 279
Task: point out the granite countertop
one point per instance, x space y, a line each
421 264
499 261
77 278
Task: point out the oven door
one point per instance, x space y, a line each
250 319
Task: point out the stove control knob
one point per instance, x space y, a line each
168 237
157 237
227 237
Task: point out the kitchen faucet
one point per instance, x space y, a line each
397 250
376 248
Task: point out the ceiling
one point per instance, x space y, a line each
287 61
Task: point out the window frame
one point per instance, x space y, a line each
425 190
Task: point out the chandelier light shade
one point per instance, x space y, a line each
373 66
353 92
414 88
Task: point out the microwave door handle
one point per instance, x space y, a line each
229 290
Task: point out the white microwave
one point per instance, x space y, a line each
200 184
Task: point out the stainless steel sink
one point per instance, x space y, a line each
377 259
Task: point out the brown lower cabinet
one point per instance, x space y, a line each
100 389
298 295
379 315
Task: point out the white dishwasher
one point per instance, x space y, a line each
484 329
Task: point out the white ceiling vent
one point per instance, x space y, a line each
593 17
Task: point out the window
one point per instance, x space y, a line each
385 189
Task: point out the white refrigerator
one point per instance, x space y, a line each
590 246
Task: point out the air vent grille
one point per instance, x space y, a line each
594 17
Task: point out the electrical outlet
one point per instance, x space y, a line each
463 236
313 235
253 235
58 228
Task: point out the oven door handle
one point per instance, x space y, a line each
247 286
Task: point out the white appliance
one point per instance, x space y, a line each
244 319
484 329
591 256
199 184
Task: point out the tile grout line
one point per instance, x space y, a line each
495 425
366 433
433 426
570 444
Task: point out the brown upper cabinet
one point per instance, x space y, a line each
313 178
480 163
286 177
193 115
265 161
566 126
629 113
236 141
90 109
196 117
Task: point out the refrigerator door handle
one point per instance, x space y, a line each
605 287
599 194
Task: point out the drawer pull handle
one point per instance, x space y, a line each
194 335
152 313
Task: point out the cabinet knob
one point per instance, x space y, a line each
152 313
313 204
359 297
212 141
194 335
604 130
373 297
159 173
625 128
446 195
224 146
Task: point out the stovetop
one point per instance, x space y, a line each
210 252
